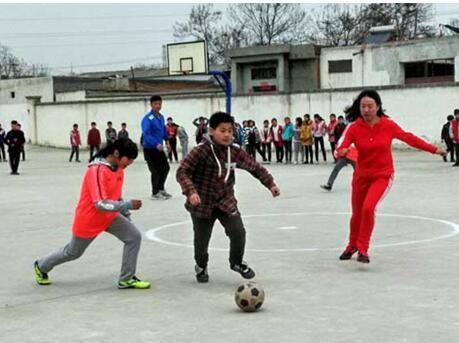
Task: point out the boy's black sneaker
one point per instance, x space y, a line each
363 258
327 187
348 253
201 274
243 269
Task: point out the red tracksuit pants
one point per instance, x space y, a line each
367 192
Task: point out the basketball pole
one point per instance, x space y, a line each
226 87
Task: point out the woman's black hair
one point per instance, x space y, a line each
124 146
353 111
318 116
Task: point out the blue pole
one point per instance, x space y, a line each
227 87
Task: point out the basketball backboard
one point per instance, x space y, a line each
187 58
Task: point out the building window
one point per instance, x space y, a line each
264 73
432 71
340 66
13 95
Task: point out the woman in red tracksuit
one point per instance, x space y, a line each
372 133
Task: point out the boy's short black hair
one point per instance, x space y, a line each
155 98
109 123
14 122
450 117
456 111
93 123
340 117
169 118
75 125
123 124
220 117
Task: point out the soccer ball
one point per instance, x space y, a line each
249 296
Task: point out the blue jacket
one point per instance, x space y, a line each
288 132
153 130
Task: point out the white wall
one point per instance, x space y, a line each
381 64
419 109
71 96
16 108
17 112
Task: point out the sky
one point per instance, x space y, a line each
92 37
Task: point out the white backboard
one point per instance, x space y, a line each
187 58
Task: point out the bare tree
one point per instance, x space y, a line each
202 24
270 23
409 19
338 25
12 66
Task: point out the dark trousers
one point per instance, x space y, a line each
14 159
2 152
234 229
279 153
23 152
340 164
317 141
76 152
288 151
173 149
333 146
91 150
260 151
251 149
456 147
309 154
159 168
266 149
450 149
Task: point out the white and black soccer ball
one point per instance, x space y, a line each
249 296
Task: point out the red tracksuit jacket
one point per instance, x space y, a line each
374 145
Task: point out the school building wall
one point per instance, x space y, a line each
420 109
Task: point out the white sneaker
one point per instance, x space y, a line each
157 196
165 195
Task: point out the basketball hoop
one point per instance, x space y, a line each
187 58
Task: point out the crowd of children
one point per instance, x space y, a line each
292 142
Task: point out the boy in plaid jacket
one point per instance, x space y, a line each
207 179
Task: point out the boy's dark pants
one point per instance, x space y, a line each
159 168
2 152
91 150
15 157
234 229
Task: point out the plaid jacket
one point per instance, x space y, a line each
198 173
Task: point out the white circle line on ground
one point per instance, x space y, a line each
152 234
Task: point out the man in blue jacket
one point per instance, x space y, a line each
154 133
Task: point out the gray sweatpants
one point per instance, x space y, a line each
121 228
340 164
298 148
184 145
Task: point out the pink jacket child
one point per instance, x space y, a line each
75 139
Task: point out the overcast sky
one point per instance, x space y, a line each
93 37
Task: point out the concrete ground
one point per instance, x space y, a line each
409 292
